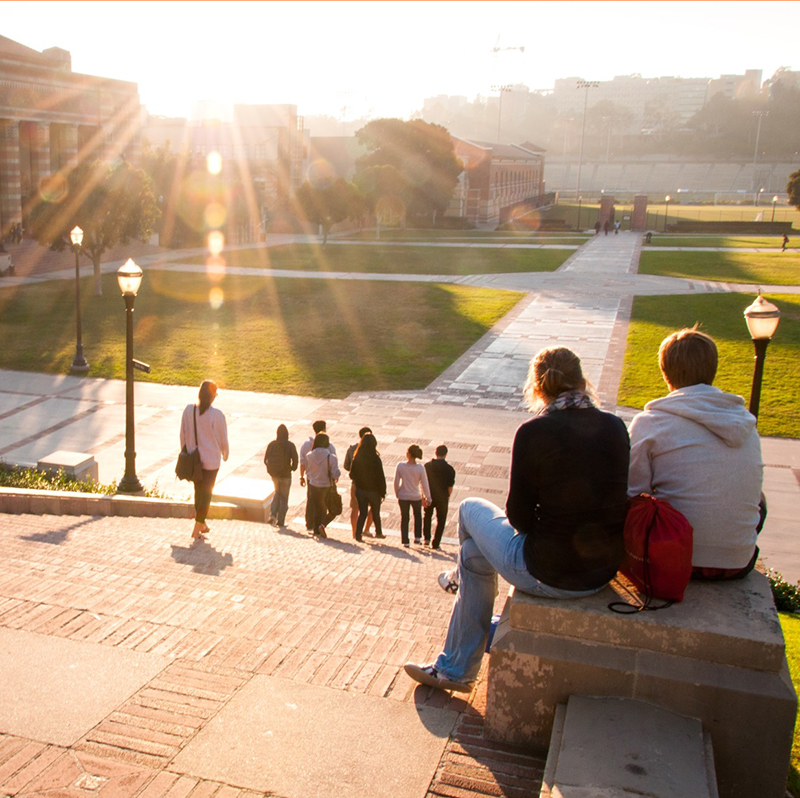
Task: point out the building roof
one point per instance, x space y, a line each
511 151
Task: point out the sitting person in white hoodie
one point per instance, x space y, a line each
698 449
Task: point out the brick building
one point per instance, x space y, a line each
51 118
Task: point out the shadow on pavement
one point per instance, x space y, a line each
203 558
58 536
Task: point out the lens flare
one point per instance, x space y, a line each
215 268
216 298
214 163
215 214
53 188
321 173
390 210
216 242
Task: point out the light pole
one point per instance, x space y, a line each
666 210
774 203
586 85
762 319
79 363
578 225
758 196
501 89
129 278
760 115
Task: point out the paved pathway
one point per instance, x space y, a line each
264 662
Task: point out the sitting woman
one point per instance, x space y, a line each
561 534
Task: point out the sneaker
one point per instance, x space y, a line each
320 533
380 535
448 581
274 522
406 545
426 542
427 674
417 541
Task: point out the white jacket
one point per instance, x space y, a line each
212 432
698 448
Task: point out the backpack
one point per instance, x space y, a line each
658 553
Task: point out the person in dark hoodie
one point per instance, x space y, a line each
280 460
698 448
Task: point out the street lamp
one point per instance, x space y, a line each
666 210
501 89
758 196
760 115
762 319
774 203
578 225
586 85
129 278
79 363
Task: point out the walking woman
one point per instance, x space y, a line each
560 536
367 474
411 488
203 427
322 472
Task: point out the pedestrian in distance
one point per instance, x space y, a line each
412 489
205 427
785 242
441 478
606 226
616 228
322 472
367 475
561 535
597 228
280 460
318 427
354 506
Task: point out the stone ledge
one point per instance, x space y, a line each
731 623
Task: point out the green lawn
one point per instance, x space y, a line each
791 632
768 268
293 336
745 242
379 259
720 315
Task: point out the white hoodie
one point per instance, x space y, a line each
698 448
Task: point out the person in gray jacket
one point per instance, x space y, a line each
322 472
698 448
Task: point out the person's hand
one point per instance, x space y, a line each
302 481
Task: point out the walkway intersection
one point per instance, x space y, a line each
263 662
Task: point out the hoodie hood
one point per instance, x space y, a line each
723 414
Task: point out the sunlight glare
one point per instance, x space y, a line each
214 163
321 173
215 268
216 242
215 214
215 298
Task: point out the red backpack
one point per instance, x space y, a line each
658 552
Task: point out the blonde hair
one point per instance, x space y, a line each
552 372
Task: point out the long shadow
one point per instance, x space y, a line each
58 536
203 558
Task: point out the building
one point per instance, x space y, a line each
51 118
496 177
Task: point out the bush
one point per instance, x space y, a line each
31 479
786 595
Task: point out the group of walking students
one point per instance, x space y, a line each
573 467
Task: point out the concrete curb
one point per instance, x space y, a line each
17 501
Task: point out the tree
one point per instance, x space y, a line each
793 189
111 203
423 157
328 204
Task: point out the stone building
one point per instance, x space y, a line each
50 119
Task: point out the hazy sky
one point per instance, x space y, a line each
384 58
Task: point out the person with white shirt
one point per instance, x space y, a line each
411 488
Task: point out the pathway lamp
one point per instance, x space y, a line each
578 225
79 363
762 319
129 277
666 210
774 203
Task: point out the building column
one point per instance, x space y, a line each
10 182
63 146
40 154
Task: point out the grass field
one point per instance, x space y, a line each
379 259
769 268
791 632
294 336
736 242
720 315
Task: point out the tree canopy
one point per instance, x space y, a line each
112 204
414 161
328 204
793 189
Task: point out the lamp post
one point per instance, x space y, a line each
762 319
758 196
129 277
79 363
666 210
578 225
760 115
501 89
774 203
586 85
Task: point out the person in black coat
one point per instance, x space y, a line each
370 481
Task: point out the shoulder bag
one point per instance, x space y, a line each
189 465
333 501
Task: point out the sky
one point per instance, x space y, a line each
383 58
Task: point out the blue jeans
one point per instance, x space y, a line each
489 545
280 501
